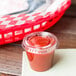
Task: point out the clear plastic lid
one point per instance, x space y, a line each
39 42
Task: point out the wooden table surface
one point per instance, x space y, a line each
11 55
65 30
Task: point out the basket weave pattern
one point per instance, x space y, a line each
14 27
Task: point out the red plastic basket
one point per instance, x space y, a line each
14 27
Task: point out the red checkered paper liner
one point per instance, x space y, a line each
15 27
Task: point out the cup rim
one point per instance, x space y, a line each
25 43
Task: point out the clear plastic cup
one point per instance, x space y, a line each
40 47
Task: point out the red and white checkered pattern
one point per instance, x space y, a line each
14 27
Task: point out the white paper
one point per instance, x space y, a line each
64 64
12 6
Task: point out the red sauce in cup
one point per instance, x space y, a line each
44 60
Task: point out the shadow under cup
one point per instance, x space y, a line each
40 47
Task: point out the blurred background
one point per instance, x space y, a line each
72 10
73 1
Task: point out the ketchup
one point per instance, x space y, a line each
40 62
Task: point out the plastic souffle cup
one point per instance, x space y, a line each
40 47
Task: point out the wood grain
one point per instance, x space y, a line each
10 60
65 30
2 74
